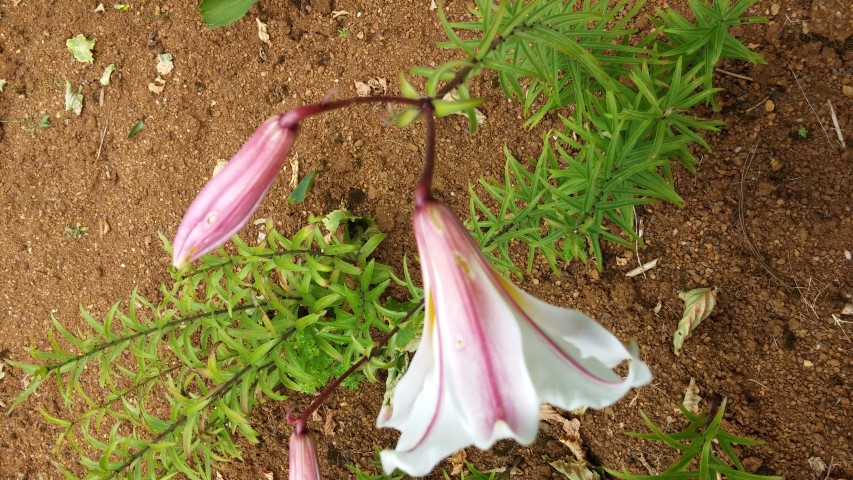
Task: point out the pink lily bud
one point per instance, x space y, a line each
304 464
233 195
490 354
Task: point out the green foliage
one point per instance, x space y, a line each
700 442
298 194
218 13
626 101
180 377
803 132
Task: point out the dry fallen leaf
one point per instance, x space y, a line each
457 460
571 436
294 171
643 268
157 85
577 470
104 226
329 424
699 303
691 397
165 63
262 32
374 86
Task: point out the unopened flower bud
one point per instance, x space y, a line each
304 464
233 195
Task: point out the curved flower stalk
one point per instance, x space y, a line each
490 354
303 464
233 195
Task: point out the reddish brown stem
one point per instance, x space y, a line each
301 422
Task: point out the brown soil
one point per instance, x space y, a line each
772 346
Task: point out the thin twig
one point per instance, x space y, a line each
760 103
809 103
837 126
101 145
736 75
751 245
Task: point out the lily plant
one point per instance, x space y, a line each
489 353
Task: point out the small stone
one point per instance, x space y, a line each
847 90
769 106
359 35
774 9
808 363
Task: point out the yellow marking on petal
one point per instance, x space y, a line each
183 261
464 265
510 288
436 221
430 320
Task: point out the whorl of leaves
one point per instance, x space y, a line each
626 101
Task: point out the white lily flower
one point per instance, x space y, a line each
490 354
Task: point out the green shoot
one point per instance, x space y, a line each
707 451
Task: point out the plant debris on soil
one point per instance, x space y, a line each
767 217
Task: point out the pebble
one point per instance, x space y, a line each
808 364
774 9
769 106
847 90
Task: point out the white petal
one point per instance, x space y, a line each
480 340
445 438
570 357
414 381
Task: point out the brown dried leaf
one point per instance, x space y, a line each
457 460
691 397
574 470
262 32
374 86
571 436
329 424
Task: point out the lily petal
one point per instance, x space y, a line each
490 354
575 369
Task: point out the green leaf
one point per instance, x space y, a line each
137 127
218 13
298 194
444 108
407 116
81 48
